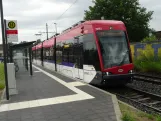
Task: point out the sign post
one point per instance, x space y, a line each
4 50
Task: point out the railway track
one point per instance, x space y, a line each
147 78
141 100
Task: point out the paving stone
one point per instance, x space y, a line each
41 86
14 119
3 119
52 117
28 119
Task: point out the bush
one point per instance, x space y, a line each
149 39
147 62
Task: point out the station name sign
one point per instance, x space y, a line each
12 31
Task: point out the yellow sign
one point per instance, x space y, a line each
11 25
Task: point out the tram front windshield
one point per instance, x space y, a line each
114 48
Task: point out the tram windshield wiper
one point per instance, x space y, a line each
126 52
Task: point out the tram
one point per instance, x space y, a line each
96 52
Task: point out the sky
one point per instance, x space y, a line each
32 15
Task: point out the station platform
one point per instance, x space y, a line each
50 96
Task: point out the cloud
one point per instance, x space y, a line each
32 15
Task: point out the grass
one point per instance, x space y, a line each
128 117
158 118
130 114
2 78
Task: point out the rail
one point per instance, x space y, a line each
145 101
147 78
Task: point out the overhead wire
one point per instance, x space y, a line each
65 11
58 18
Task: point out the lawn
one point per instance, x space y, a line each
2 80
130 114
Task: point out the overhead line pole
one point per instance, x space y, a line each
55 46
47 31
7 45
4 49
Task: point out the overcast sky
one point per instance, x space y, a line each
32 15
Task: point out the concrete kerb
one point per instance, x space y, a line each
128 105
115 102
114 98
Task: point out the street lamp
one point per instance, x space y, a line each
38 34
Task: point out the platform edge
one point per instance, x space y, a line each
115 102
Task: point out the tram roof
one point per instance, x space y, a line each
50 42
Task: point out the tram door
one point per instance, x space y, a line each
76 67
78 58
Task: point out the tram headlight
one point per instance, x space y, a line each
131 71
107 73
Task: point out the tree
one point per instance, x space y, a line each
38 41
150 38
135 17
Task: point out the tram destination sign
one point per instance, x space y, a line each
11 31
111 33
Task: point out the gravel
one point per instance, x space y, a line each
138 106
145 86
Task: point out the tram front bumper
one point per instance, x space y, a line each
118 78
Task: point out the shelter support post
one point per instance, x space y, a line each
55 53
11 54
30 58
26 60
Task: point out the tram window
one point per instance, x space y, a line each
59 53
90 51
39 54
47 53
78 52
44 56
71 56
65 55
51 53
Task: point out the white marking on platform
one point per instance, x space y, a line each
81 95
76 84
37 71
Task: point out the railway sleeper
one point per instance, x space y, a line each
155 103
150 80
137 96
143 99
148 101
